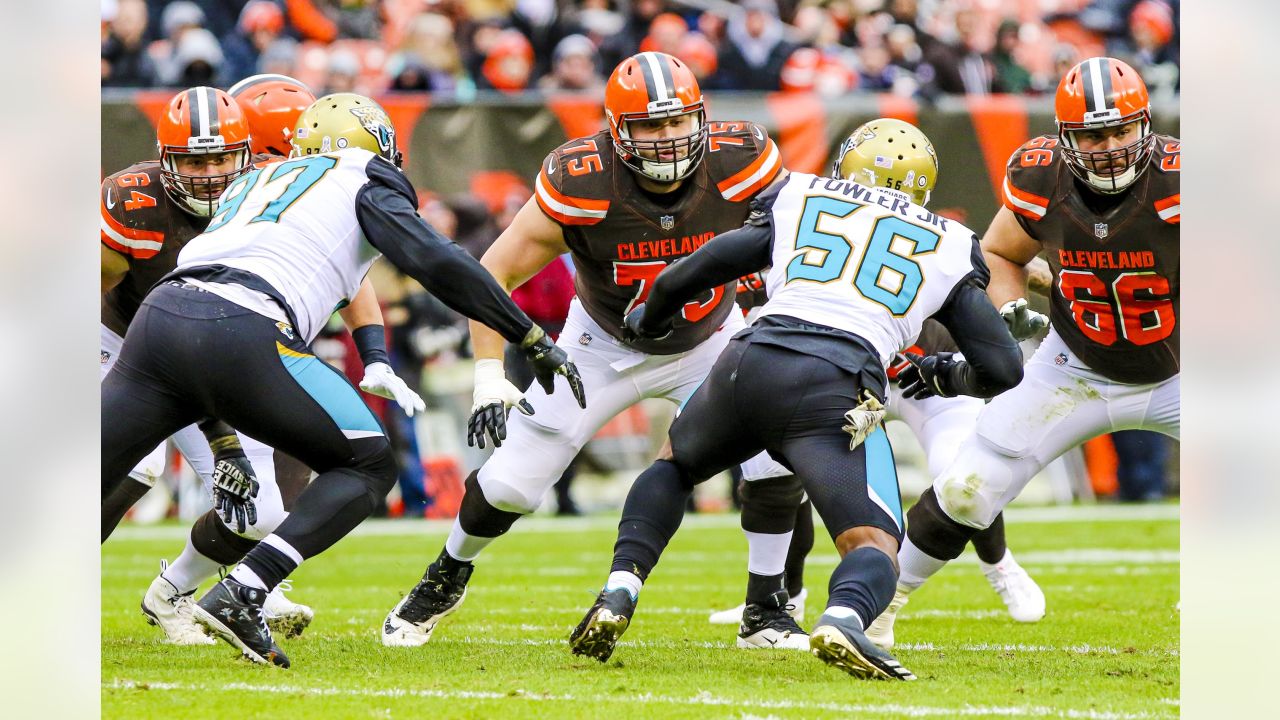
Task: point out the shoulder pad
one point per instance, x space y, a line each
1031 175
132 206
1166 182
573 184
741 158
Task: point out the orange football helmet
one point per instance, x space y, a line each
1103 92
271 105
650 86
201 121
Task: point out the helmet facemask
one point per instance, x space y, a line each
199 194
644 156
1090 165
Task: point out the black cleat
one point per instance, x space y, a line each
605 622
769 624
233 612
440 592
840 643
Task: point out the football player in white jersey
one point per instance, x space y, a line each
854 273
882 153
227 334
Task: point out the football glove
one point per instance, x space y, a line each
634 328
927 376
489 402
863 419
1023 322
235 486
381 380
547 360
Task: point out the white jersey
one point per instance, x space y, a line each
862 260
293 223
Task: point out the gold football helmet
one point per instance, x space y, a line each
890 154
344 120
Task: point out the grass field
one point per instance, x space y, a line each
1108 647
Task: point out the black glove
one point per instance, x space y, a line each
547 360
928 375
234 487
634 328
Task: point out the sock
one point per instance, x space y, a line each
990 543
451 567
623 579
190 569
767 552
864 581
801 544
916 565
761 589
839 611
465 547
247 577
271 561
1006 561
650 516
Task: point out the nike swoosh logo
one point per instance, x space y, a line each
759 135
111 201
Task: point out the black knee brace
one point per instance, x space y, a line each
214 540
933 531
477 517
769 505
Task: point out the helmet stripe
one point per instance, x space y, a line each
200 113
1095 96
1104 69
211 100
193 116
653 76
669 85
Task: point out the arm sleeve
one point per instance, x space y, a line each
724 259
993 360
388 215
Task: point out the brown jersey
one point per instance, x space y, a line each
621 237
1115 270
140 221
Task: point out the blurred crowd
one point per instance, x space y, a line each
916 48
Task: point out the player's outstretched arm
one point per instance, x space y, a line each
992 360
1008 249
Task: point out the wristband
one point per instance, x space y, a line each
371 342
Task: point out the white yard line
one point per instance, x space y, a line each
541 524
701 699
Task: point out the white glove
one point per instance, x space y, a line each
492 387
863 419
1023 322
380 379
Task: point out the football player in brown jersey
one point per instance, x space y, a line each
656 185
1100 200
149 211
779 539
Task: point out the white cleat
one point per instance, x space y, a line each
881 631
285 616
172 612
1020 593
733 616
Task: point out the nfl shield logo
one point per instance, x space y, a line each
1100 229
667 222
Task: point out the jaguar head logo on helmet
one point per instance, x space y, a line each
204 144
1104 123
890 154
656 116
271 105
344 120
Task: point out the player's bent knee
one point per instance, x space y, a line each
509 497
970 489
865 536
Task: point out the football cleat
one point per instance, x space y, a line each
234 612
608 618
881 631
1020 593
840 643
733 616
413 619
770 625
285 616
172 612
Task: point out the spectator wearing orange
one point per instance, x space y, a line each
666 32
508 64
261 23
125 62
700 55
329 20
1153 27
